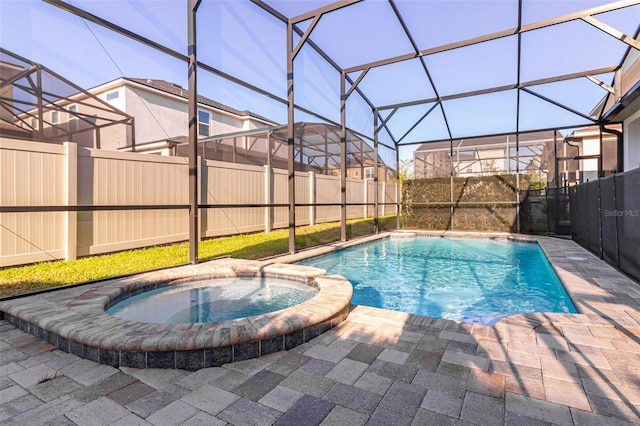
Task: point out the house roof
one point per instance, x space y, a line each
177 90
488 140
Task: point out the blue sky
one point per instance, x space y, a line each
239 38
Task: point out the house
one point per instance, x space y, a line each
623 105
485 156
124 114
160 109
151 116
316 149
8 71
580 157
40 105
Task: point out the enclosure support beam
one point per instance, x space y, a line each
600 147
291 140
375 172
40 129
121 30
343 158
398 189
518 182
601 83
519 85
519 73
612 31
556 180
503 33
193 135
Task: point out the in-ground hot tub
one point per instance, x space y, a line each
211 300
74 319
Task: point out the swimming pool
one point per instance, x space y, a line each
474 280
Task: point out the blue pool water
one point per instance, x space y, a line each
212 300
462 279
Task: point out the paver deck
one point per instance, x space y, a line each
377 367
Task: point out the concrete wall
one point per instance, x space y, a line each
38 174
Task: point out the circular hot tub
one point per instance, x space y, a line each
75 320
212 300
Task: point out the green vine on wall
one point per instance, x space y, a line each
486 193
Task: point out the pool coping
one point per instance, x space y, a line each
74 319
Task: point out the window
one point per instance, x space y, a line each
54 121
113 95
34 123
368 173
73 119
204 124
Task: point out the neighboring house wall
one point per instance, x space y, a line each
8 71
80 119
630 71
589 168
631 142
161 115
588 142
629 78
156 117
474 160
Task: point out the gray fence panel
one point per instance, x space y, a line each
593 212
573 202
609 220
581 216
628 218
617 211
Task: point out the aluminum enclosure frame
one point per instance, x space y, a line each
345 91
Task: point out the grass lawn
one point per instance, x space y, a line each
43 275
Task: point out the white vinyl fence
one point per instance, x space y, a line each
38 174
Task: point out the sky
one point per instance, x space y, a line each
239 38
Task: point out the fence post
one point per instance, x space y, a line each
600 221
312 198
366 198
586 196
71 187
546 199
451 209
615 209
384 197
203 174
199 163
268 198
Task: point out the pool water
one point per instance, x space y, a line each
212 300
463 279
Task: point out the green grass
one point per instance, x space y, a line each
39 276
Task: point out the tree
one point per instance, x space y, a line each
405 171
